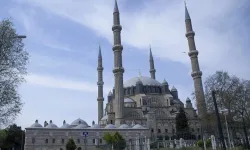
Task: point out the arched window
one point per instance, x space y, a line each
33 140
166 130
46 141
111 121
159 130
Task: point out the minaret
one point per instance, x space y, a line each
100 83
196 73
118 69
152 66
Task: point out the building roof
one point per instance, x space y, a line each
143 79
79 121
128 100
51 125
124 126
138 126
36 125
110 126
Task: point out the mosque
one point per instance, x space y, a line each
140 108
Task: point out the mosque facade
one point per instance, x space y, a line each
140 108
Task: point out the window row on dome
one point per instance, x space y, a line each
145 89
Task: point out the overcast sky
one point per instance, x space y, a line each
63 37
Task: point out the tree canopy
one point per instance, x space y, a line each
70 144
182 128
115 140
232 94
12 136
13 67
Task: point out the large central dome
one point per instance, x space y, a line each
144 80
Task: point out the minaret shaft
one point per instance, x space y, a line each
118 68
196 73
100 83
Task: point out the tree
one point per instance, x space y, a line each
70 144
226 87
13 62
181 121
115 140
13 136
182 128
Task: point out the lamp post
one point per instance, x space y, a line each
224 112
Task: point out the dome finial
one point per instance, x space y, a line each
139 73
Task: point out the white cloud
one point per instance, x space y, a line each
55 82
161 24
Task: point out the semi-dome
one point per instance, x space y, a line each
81 126
138 126
79 121
124 126
95 126
51 125
128 100
36 125
144 80
110 126
104 118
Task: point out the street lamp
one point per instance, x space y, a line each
225 112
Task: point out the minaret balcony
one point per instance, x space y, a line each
118 70
117 48
117 27
99 68
196 74
190 34
100 83
193 53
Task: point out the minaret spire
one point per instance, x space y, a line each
196 73
100 83
151 63
118 68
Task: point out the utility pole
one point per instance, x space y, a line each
218 122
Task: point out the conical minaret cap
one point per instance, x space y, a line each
187 16
116 10
100 52
150 53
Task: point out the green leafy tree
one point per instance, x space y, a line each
70 144
182 128
13 68
115 140
13 136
